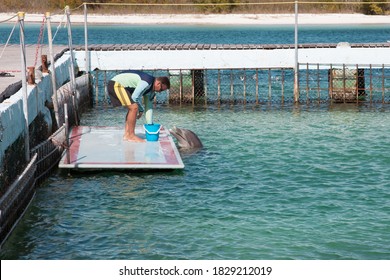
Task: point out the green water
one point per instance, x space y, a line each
271 183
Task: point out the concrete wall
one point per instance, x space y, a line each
230 59
12 121
17 183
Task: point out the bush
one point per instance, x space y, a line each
368 8
227 6
374 9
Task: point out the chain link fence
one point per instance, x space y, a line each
317 83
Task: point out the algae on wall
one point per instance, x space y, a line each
14 158
14 163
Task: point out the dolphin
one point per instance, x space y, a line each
186 139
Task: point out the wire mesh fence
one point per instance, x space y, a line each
317 83
48 154
344 83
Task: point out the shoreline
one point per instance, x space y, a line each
210 19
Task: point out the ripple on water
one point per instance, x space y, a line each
273 184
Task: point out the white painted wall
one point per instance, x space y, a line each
229 59
11 110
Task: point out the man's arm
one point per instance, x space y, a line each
148 101
136 96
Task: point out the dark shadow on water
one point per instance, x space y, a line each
108 173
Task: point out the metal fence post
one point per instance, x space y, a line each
24 85
52 69
296 68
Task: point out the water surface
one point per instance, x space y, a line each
271 183
202 34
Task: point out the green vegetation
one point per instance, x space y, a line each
369 7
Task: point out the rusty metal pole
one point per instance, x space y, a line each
45 68
193 87
231 86
331 82
282 85
269 85
344 90
244 81
180 87
31 75
383 83
257 86
24 85
205 86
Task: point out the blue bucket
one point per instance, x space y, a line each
152 131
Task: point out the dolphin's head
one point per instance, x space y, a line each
186 139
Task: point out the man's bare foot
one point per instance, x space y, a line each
133 139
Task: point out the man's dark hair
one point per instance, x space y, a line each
165 81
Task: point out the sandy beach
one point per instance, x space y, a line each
211 19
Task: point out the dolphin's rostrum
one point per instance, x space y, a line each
186 139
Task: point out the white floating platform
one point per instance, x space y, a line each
94 147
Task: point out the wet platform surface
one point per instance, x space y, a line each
104 148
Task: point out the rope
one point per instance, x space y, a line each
233 4
23 46
40 39
58 12
79 7
59 143
9 38
8 19
236 4
10 71
58 27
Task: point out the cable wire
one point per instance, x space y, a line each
9 38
